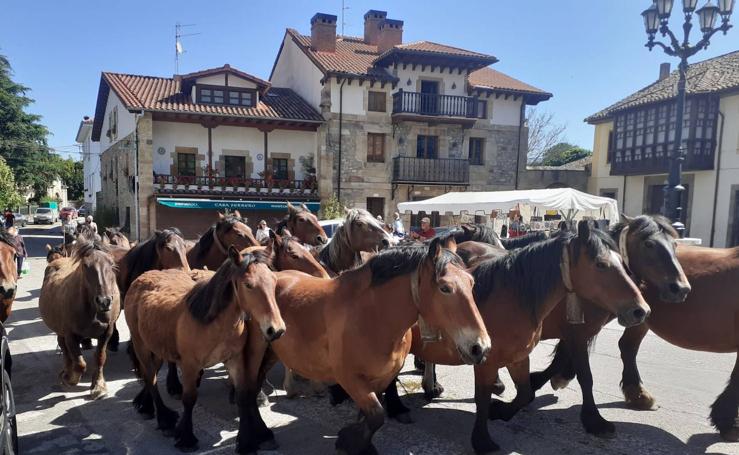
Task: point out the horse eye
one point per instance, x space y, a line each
249 285
601 265
445 289
649 243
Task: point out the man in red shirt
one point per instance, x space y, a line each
426 232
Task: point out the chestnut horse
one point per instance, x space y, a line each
80 299
114 236
647 244
212 248
303 224
8 274
515 293
354 330
197 320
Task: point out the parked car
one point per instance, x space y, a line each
20 219
9 429
44 215
330 226
83 211
68 213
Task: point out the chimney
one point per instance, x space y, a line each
323 32
372 20
391 34
664 71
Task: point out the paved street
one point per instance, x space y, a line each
56 421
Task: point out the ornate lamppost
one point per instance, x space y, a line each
655 20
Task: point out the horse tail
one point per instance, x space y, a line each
134 359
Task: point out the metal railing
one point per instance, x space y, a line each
434 104
428 170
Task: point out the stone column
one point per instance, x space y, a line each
145 173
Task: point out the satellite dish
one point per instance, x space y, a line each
161 150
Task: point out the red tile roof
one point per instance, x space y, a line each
436 48
490 79
227 69
161 94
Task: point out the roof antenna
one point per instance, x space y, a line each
178 43
343 22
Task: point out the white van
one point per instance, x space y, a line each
330 226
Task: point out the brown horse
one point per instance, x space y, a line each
517 291
212 248
355 330
8 274
303 224
80 299
55 252
197 320
114 236
647 244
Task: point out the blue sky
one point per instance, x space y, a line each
588 53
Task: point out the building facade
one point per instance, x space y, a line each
90 162
635 137
175 151
405 121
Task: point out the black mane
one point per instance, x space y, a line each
524 240
206 240
534 271
402 260
645 226
482 234
86 247
143 256
209 298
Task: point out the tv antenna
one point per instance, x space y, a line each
178 49
343 22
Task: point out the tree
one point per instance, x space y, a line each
562 153
331 208
9 196
71 174
22 136
544 133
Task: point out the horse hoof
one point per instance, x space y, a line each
558 382
418 363
98 392
600 427
269 444
435 392
498 387
487 448
262 400
730 435
186 442
638 398
404 418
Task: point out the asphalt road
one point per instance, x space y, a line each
52 420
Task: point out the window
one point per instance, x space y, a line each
426 147
279 166
376 206
241 98
376 101
608 192
234 166
186 164
208 94
375 148
482 108
609 151
477 151
113 124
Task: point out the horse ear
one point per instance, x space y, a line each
48 247
291 208
346 210
234 255
434 249
583 230
221 216
237 214
626 219
450 243
304 207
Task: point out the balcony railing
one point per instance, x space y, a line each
442 171
258 187
434 105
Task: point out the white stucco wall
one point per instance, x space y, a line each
126 122
729 172
446 79
504 111
91 170
294 70
352 98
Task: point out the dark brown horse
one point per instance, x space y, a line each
212 248
516 292
55 252
197 320
355 330
647 244
80 299
303 224
8 274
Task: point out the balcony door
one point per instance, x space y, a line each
429 97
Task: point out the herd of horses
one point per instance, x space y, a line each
347 312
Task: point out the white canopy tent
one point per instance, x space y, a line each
569 202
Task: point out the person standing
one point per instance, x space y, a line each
426 232
262 231
398 228
91 223
9 218
20 248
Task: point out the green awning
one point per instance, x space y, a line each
217 204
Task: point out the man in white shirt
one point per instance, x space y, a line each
262 231
92 224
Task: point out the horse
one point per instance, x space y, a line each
197 319
114 236
360 232
354 330
211 249
55 252
80 299
303 224
647 245
469 232
8 274
515 293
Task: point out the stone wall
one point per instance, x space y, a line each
117 166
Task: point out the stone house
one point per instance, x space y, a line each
177 150
405 121
90 162
634 139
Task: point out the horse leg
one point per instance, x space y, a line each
590 417
66 359
166 417
174 386
431 388
395 407
356 438
485 377
634 392
78 366
337 394
98 388
143 402
724 409
184 437
524 393
560 371
114 340
86 344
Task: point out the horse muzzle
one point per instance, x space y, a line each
633 316
272 333
321 240
7 291
675 292
103 303
474 352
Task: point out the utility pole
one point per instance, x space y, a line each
178 44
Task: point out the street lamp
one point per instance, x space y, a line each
656 19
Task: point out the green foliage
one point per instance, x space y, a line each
331 208
71 173
563 153
9 196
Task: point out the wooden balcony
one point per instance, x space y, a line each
442 171
654 159
429 106
232 186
